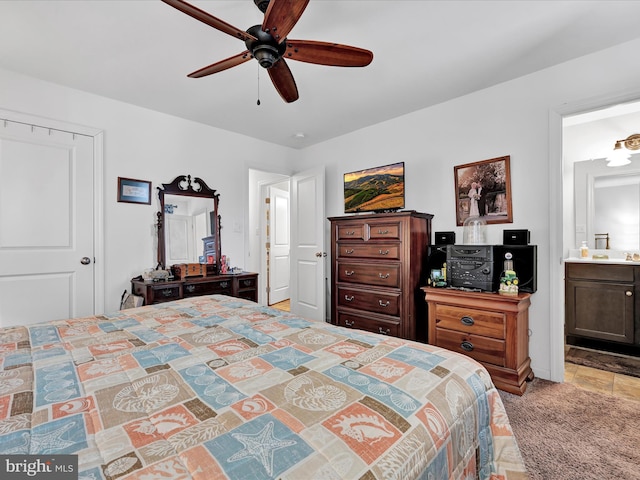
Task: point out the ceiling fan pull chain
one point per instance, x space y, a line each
258 102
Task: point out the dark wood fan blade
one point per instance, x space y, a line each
222 65
325 53
283 81
209 19
281 17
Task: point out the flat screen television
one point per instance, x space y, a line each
379 189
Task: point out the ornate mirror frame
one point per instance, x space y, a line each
183 185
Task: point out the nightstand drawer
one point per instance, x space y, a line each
482 349
470 321
384 251
384 275
370 300
369 324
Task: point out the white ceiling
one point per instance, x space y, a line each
425 52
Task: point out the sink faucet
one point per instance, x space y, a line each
600 237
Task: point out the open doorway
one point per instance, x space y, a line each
600 201
277 245
306 229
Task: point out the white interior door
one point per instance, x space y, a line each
46 224
180 235
279 261
307 245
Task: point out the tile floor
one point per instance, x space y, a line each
600 381
584 377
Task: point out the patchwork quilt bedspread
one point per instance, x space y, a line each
222 388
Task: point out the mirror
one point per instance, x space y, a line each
188 223
607 204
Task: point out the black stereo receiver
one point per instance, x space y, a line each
471 266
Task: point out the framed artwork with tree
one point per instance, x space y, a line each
483 189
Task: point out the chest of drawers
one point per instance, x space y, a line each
491 328
378 265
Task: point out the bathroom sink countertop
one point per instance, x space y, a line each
615 257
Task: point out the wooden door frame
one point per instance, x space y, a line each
98 193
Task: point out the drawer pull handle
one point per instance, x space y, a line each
349 298
384 253
468 321
351 232
384 332
348 274
167 292
349 324
628 293
386 304
348 251
386 275
191 288
247 283
224 284
383 232
466 346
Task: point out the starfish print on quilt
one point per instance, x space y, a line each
260 446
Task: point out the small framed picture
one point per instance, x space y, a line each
131 190
483 189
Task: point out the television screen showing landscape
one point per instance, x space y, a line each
374 189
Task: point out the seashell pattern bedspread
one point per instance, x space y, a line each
222 388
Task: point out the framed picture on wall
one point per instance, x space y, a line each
483 189
131 190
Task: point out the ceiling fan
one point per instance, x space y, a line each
269 45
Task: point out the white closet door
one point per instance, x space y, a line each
46 224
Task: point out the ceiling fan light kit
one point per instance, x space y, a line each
268 44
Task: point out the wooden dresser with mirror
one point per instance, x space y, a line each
189 248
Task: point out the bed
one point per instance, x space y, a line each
219 387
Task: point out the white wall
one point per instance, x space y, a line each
143 144
508 119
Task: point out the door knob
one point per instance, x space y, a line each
85 261
320 254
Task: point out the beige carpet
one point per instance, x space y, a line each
567 433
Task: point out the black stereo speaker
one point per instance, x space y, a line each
525 264
445 238
436 257
516 237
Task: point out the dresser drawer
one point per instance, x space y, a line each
384 275
482 349
470 321
350 232
372 301
384 230
382 250
208 288
362 322
166 293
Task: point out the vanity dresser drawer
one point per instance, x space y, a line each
156 292
194 289
383 251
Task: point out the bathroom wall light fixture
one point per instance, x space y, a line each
620 157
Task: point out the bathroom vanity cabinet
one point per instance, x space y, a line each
601 303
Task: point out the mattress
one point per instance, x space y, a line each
219 387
